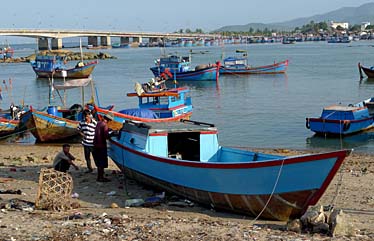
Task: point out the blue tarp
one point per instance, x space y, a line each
143 113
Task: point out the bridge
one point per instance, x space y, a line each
56 36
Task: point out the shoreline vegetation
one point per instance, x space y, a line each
101 213
70 56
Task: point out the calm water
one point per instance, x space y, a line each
251 111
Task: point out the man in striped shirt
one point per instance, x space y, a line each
87 129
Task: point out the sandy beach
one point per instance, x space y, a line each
102 214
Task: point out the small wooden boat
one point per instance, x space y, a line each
55 67
186 159
10 120
343 120
56 123
239 65
369 71
155 106
46 127
180 68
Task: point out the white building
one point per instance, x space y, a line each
334 25
364 25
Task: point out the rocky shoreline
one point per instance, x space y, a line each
69 55
102 212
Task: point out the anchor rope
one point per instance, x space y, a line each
271 194
341 171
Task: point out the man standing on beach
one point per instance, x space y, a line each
64 160
87 129
100 152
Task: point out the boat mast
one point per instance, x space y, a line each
80 48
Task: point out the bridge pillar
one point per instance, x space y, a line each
154 40
56 43
105 41
124 40
43 44
92 40
136 41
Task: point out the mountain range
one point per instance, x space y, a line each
352 15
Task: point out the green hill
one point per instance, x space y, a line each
352 15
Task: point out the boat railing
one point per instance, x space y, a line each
197 123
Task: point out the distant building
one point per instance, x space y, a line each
364 25
334 25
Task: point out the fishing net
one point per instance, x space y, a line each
54 191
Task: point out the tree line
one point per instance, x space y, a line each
309 28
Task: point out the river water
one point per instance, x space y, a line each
257 111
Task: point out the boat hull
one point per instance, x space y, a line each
209 73
8 127
277 68
338 127
284 188
48 128
74 73
368 71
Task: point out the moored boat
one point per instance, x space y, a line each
56 123
180 67
155 106
369 71
53 125
8 126
343 120
239 65
47 66
186 159
10 120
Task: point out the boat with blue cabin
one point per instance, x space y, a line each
186 159
154 106
239 65
343 120
181 69
48 66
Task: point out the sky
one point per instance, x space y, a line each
161 15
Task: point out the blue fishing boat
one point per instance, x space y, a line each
239 65
180 68
154 106
343 120
186 159
47 66
119 45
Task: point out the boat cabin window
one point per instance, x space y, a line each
184 145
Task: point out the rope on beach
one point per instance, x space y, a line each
341 172
54 192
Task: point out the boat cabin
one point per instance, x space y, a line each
239 61
48 63
186 140
338 112
167 103
174 63
235 62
